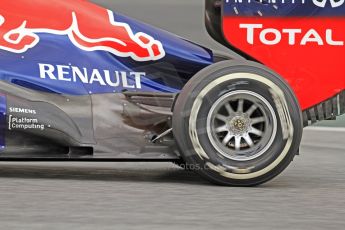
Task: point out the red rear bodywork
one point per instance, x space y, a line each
303 41
315 72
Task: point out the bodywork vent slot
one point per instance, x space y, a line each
326 110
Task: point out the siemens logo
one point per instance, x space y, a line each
22 110
318 3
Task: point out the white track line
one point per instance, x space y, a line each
324 129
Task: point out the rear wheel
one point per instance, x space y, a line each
238 123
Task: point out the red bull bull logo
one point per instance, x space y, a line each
88 26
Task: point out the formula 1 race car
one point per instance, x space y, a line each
80 82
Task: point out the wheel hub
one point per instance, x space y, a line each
239 125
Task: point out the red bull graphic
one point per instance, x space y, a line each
22 21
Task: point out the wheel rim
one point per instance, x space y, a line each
241 125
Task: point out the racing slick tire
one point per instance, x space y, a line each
238 123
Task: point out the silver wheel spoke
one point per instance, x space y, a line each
227 138
222 118
229 109
223 128
238 143
241 125
256 132
249 140
251 110
258 120
240 105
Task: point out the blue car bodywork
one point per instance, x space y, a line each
62 102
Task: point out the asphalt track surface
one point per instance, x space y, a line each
308 195
47 195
